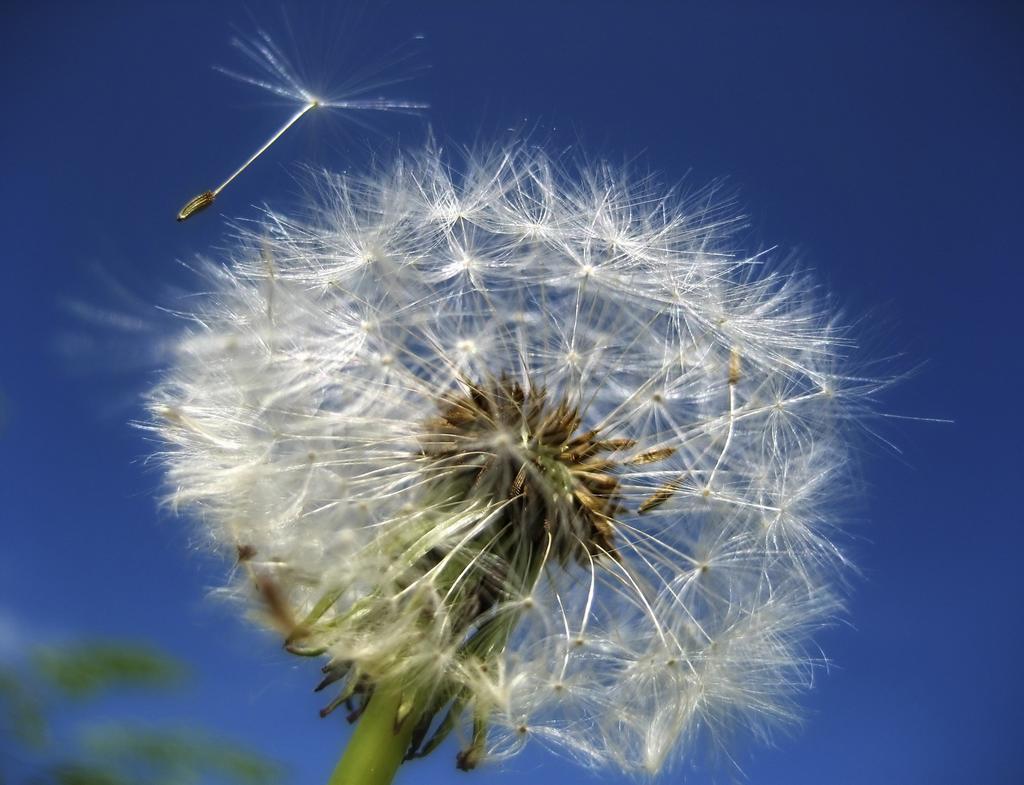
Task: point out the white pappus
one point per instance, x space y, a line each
531 442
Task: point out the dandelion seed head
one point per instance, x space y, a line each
530 440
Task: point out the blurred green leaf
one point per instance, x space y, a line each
79 774
175 757
23 710
85 753
85 670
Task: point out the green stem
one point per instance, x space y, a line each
376 748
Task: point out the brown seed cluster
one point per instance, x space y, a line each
500 441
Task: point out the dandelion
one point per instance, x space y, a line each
278 76
524 452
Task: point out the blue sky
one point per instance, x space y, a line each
879 140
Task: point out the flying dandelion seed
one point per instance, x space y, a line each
525 452
278 76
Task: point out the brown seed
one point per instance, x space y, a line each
602 539
614 445
599 482
660 496
196 204
275 602
651 456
